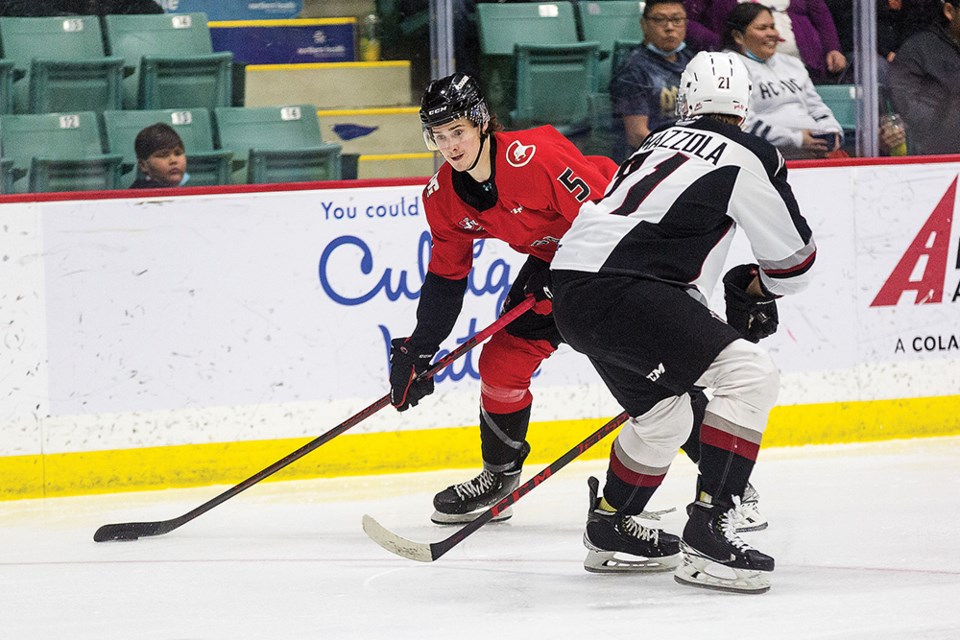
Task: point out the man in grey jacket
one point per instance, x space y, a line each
925 82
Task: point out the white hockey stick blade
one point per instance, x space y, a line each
396 544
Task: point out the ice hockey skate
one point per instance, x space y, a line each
617 543
749 517
715 557
461 503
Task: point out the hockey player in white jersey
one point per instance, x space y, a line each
631 281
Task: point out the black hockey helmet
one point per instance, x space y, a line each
451 98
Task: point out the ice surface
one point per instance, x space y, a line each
865 538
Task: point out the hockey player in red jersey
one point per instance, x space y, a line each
522 187
649 254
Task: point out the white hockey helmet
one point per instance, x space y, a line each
714 83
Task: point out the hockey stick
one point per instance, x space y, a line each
428 552
135 530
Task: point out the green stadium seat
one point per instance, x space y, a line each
6 86
280 144
59 65
6 175
169 61
56 152
606 22
503 26
206 165
554 84
842 100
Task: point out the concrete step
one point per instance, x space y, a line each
373 131
396 165
333 85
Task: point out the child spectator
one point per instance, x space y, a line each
161 159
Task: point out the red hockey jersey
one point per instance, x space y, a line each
541 181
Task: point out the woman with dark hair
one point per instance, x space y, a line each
807 27
785 108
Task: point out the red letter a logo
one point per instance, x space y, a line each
928 254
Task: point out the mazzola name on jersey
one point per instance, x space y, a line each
703 145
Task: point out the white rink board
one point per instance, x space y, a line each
150 322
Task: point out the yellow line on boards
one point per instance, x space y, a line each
67 474
378 157
286 22
375 111
328 65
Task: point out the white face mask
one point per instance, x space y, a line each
661 52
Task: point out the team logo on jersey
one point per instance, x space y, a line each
516 210
519 154
469 225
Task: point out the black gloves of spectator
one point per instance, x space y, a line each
405 365
754 318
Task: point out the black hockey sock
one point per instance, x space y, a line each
723 474
726 460
502 438
626 498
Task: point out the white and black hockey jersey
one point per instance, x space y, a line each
671 212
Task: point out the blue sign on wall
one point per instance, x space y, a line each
236 9
321 40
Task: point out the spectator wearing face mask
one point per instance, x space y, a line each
643 91
785 108
806 28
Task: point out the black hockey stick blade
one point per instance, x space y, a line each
136 530
428 552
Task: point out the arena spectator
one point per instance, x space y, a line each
925 83
161 158
785 108
643 91
806 28
896 21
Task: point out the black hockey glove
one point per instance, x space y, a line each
754 318
539 285
405 365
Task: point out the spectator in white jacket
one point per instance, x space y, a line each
785 108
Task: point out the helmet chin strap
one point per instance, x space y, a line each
483 139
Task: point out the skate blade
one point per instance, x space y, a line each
463 518
613 562
696 571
